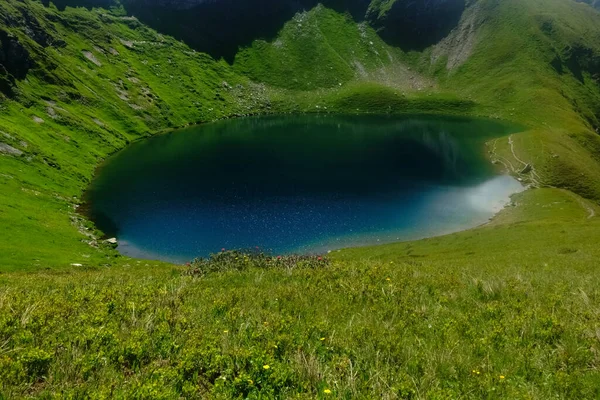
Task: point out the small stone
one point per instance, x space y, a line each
7 149
51 112
77 265
91 57
98 122
111 241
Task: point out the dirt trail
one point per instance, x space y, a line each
535 178
510 167
584 204
512 149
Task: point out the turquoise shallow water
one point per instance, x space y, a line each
298 184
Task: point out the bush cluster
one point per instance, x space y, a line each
241 260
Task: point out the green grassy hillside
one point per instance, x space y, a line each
323 49
507 310
537 62
101 82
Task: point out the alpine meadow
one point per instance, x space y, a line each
382 199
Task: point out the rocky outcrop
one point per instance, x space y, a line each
458 46
8 149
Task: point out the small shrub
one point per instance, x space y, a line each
36 363
236 260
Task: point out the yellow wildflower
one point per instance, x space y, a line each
225 331
502 376
266 366
327 391
322 339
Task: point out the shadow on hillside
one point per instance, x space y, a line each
416 25
221 27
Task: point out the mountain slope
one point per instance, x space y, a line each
536 61
323 49
90 84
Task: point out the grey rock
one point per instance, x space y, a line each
7 149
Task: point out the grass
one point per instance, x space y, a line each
497 312
507 310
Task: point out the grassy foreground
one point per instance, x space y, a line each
449 317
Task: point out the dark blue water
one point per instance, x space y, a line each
298 184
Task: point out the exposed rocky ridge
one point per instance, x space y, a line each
460 43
